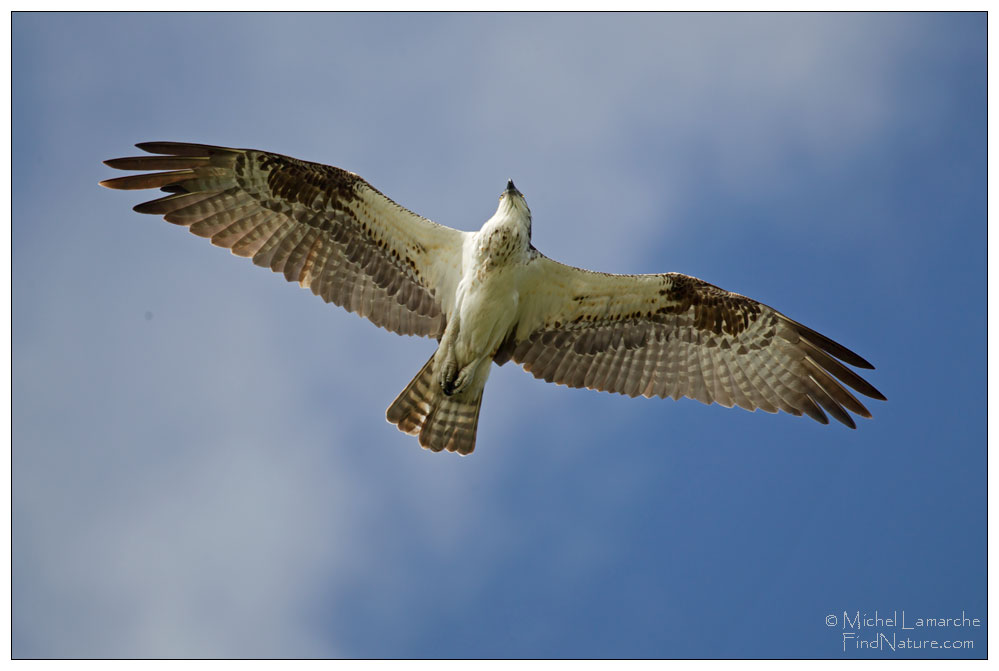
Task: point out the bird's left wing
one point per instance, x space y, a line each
320 226
675 335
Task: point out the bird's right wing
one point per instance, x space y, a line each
675 335
320 226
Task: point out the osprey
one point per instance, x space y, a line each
490 296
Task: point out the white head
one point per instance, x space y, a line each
513 204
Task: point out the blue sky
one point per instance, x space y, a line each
201 465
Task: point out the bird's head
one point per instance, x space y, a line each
513 204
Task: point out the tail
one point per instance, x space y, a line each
442 422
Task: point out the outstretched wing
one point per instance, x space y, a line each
320 226
674 335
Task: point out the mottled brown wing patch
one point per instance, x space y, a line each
714 309
318 225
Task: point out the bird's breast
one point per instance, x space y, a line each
498 246
488 300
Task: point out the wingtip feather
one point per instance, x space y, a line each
184 148
149 181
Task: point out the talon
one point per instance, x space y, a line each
452 384
448 375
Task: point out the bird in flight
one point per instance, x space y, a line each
490 296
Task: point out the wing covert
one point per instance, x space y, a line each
321 226
673 335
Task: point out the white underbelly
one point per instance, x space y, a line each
487 311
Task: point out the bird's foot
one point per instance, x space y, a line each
453 380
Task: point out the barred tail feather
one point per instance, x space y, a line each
441 422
